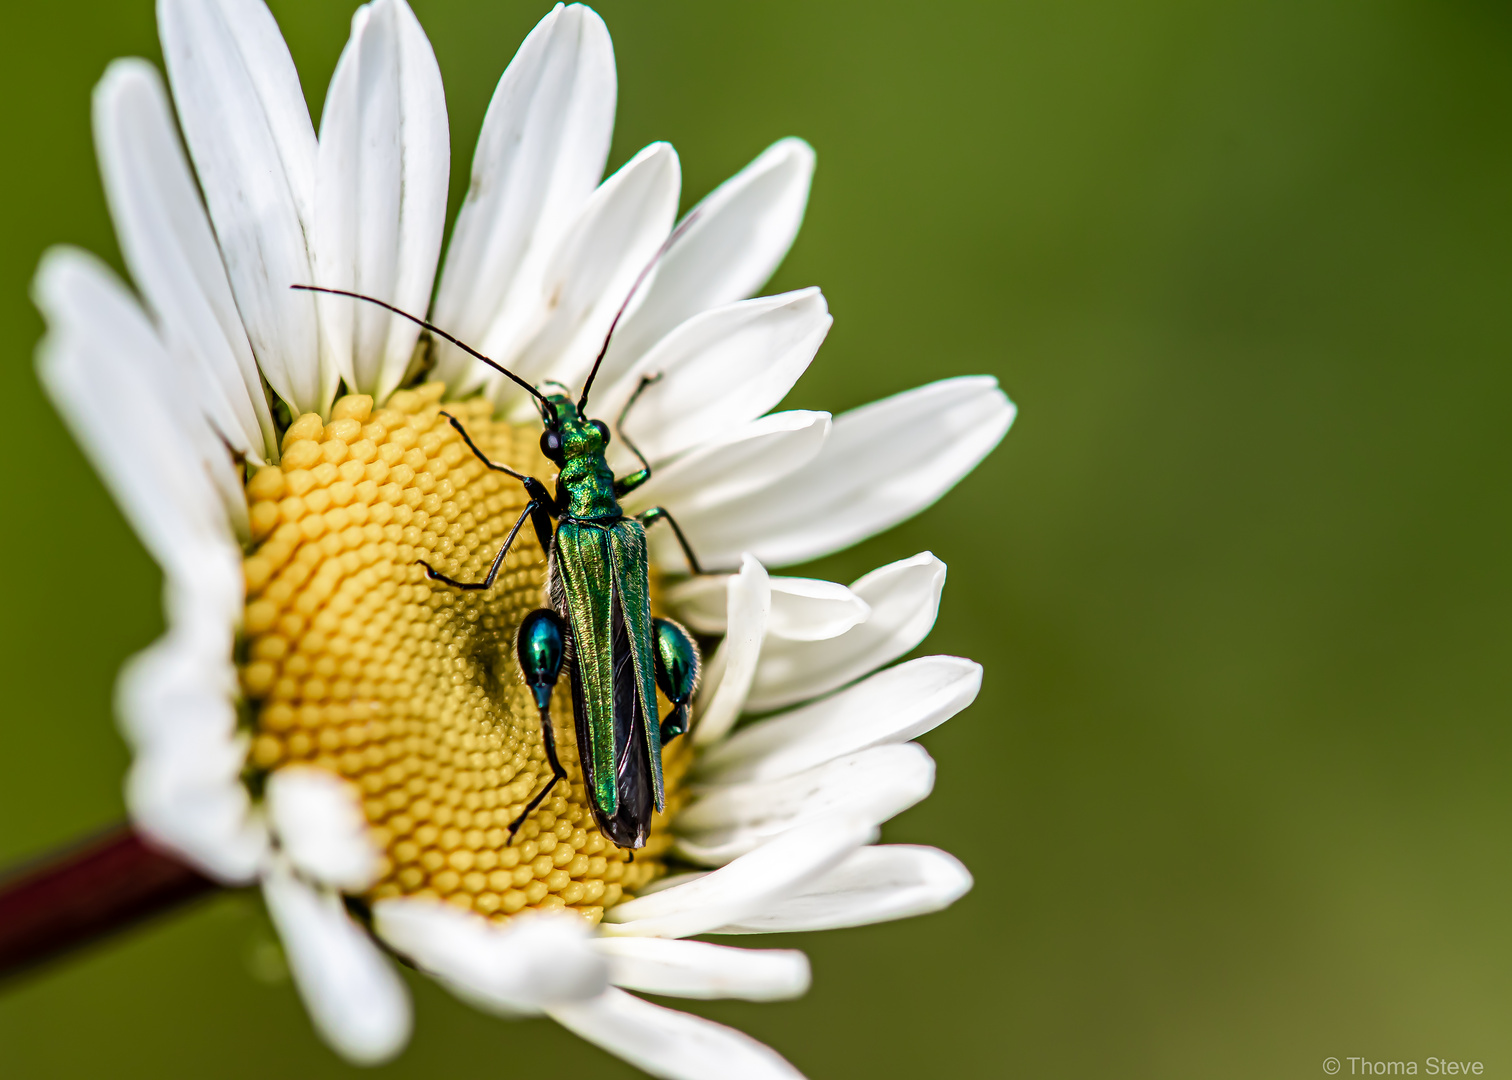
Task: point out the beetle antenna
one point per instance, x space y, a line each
544 405
676 234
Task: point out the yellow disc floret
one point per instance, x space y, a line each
356 662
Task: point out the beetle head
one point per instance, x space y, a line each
568 434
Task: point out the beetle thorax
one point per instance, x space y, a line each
586 479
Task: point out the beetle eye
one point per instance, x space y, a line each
551 444
603 430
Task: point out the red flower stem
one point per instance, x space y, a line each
97 888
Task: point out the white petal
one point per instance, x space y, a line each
266 66
176 691
114 383
803 609
894 705
167 243
719 370
697 969
540 155
876 884
185 684
518 969
671 1044
356 999
380 193
753 456
189 801
873 785
882 464
729 676
736 237
749 884
671 881
204 599
904 598
318 819
249 134
184 789
590 274
175 702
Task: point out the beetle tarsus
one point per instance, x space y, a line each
558 773
436 575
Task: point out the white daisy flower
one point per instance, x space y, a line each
322 719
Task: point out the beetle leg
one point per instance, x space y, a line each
479 454
541 646
659 513
493 571
677 669
545 504
548 737
641 475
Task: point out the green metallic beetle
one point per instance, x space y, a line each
599 625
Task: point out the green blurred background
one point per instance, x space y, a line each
1235 792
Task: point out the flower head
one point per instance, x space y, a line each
327 719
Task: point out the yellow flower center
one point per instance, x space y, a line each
356 662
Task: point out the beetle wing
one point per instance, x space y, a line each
584 569
627 542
